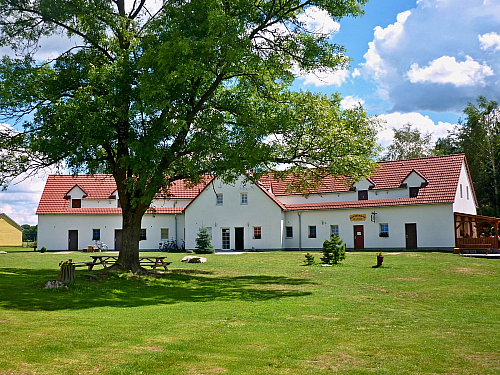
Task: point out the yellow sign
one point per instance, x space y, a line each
357 217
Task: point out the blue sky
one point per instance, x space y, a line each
418 61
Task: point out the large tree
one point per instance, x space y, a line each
195 87
409 143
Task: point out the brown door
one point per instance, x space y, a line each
359 239
118 239
239 243
72 240
411 236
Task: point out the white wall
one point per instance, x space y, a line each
464 200
260 211
53 229
435 226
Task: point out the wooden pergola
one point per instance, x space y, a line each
476 230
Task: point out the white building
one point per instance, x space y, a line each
407 204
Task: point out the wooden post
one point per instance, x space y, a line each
66 274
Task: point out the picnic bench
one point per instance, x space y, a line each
107 260
475 247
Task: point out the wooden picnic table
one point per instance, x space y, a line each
105 260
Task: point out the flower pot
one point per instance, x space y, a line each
380 260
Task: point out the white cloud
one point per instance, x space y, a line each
435 43
447 70
423 123
318 21
351 102
490 40
328 78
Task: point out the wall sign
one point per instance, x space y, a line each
357 217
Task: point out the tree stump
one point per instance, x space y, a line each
66 274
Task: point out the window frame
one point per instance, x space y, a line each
414 192
243 198
219 199
94 237
161 233
76 203
332 231
143 234
383 230
287 233
312 231
362 195
257 233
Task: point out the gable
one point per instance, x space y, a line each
10 222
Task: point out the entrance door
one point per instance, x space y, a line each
411 236
72 240
118 239
226 239
359 238
239 243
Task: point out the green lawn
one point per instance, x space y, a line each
256 313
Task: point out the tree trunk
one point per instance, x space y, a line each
129 252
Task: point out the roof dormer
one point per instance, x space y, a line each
364 184
414 181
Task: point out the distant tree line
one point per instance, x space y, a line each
477 135
29 232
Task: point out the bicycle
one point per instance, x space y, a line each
101 246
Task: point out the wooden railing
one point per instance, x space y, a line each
491 241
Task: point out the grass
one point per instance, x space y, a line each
256 313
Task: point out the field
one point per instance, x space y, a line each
255 313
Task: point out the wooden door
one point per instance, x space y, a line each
411 236
239 243
118 239
72 240
359 238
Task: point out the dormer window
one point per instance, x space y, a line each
414 192
76 203
362 195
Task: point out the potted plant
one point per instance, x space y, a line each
66 273
380 258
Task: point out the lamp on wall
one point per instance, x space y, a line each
372 216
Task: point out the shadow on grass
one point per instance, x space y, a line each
22 289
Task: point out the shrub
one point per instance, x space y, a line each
203 242
43 249
333 250
309 261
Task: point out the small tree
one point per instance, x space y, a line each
203 242
309 261
333 250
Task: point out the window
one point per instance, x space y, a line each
384 230
257 233
414 192
96 234
467 191
334 230
244 198
312 231
461 193
142 235
76 203
362 195
289 232
209 230
226 238
220 199
164 233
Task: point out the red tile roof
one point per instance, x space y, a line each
441 172
99 186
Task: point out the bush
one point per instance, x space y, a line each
309 261
43 249
333 250
203 242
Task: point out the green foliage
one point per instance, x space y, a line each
478 136
203 242
333 250
29 232
409 143
309 261
43 249
202 87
